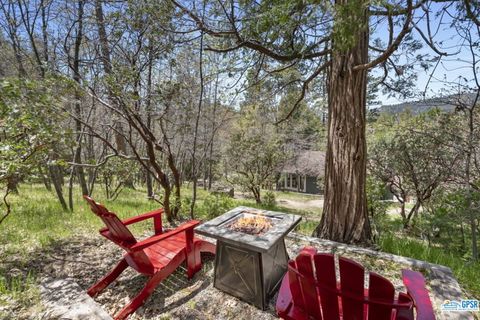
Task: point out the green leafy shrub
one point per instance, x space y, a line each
116 175
446 220
269 199
215 205
30 130
377 207
185 204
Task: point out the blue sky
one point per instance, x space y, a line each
450 68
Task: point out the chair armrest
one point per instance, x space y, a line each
154 239
143 216
415 284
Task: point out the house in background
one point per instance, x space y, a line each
302 172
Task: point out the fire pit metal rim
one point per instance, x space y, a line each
216 228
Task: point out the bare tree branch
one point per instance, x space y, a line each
394 45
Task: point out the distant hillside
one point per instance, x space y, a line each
446 104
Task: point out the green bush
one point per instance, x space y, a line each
185 204
377 207
446 220
269 199
215 205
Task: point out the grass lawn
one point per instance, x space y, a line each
37 218
465 271
37 221
397 205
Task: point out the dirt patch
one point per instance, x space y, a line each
316 204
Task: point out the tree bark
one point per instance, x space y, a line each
102 35
30 29
107 68
345 215
56 178
45 180
149 183
256 194
166 203
210 155
148 105
412 214
78 108
43 8
195 133
12 183
468 162
177 184
162 178
70 189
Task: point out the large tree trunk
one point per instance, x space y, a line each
345 214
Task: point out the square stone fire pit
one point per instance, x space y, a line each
251 258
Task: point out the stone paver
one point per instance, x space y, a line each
64 299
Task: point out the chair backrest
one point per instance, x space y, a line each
314 287
116 230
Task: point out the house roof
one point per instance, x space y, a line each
308 162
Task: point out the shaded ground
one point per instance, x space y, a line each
86 258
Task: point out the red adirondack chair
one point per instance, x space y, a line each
310 290
157 256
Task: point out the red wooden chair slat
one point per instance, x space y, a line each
160 260
162 252
156 257
404 313
119 231
380 288
325 271
295 285
352 282
307 284
313 273
415 282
